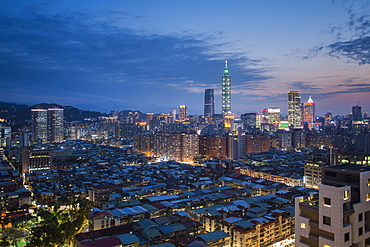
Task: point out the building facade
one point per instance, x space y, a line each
356 113
274 115
340 214
249 120
294 109
183 112
209 103
55 124
39 124
309 113
181 147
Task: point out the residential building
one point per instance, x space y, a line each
340 214
182 147
256 143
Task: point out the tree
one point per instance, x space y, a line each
59 221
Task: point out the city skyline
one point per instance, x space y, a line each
153 57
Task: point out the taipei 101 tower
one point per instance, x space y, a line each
226 91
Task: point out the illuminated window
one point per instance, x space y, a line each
327 202
368 197
346 194
303 225
326 245
368 182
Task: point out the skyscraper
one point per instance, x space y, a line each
274 115
39 124
183 112
249 120
356 113
294 109
173 116
226 91
55 118
209 103
309 113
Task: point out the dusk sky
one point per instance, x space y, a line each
155 55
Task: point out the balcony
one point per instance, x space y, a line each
314 237
309 206
314 223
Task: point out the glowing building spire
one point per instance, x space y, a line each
310 101
226 90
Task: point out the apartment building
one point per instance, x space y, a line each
340 214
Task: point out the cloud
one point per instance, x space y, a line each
353 37
354 85
357 50
76 53
303 86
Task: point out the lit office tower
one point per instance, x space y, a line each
183 112
309 113
209 103
294 109
55 124
274 115
39 124
356 113
226 91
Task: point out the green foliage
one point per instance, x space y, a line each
59 221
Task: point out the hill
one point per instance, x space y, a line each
18 113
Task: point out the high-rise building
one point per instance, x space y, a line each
327 118
274 115
226 90
209 103
182 147
249 120
213 146
39 124
356 113
294 109
340 214
236 145
173 116
298 138
183 112
309 113
256 143
265 116
55 118
5 136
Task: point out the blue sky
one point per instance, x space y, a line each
155 55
